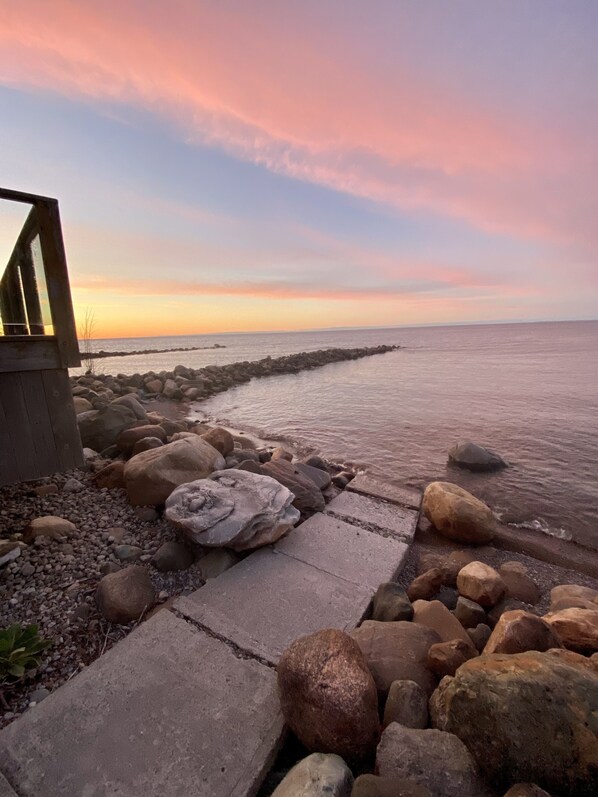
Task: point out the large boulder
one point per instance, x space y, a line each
318 775
518 631
308 496
397 651
471 456
125 595
525 717
578 628
233 509
151 476
457 514
328 696
434 759
480 583
99 429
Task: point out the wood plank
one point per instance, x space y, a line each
28 353
22 196
57 282
40 422
19 430
63 418
8 467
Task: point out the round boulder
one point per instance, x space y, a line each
328 696
457 514
124 596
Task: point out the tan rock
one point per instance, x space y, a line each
578 628
328 696
426 586
111 477
221 439
56 528
397 651
151 476
480 583
457 514
124 596
572 596
518 631
435 615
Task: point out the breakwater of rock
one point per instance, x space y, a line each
193 384
94 355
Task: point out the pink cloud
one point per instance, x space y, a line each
275 89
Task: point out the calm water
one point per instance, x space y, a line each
529 391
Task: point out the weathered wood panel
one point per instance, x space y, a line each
25 353
38 426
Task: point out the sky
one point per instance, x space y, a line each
252 165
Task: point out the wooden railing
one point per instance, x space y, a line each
21 305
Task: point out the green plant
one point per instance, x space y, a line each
20 650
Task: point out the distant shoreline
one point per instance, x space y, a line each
95 355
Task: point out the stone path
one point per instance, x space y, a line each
187 703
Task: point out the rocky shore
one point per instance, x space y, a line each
474 675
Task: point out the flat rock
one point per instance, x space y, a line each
344 550
167 711
403 496
372 512
233 509
434 759
397 652
269 599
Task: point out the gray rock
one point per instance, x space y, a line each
320 477
127 553
73 486
99 429
251 466
469 613
474 457
316 462
234 509
318 775
391 603
38 695
434 759
172 556
216 562
407 704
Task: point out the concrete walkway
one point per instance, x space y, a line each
186 705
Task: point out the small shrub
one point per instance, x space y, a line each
20 650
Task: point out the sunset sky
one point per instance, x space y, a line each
253 165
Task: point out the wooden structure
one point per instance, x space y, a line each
38 426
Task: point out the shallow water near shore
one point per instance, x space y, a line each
528 391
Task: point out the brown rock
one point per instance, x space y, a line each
577 628
397 651
146 444
457 514
480 583
129 437
81 405
518 631
308 496
518 584
435 615
572 596
436 760
221 439
282 453
376 786
426 586
525 717
112 476
126 595
154 386
328 696
480 636
445 658
407 704
55 528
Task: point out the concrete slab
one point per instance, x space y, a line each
345 550
403 496
168 712
268 600
372 513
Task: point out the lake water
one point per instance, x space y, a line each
528 391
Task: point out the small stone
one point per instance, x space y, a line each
45 489
320 477
38 695
480 583
9 551
27 569
426 586
146 513
448 596
282 453
109 567
221 439
407 704
172 556
111 477
445 658
318 775
73 486
391 603
116 534
469 613
126 595
127 553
